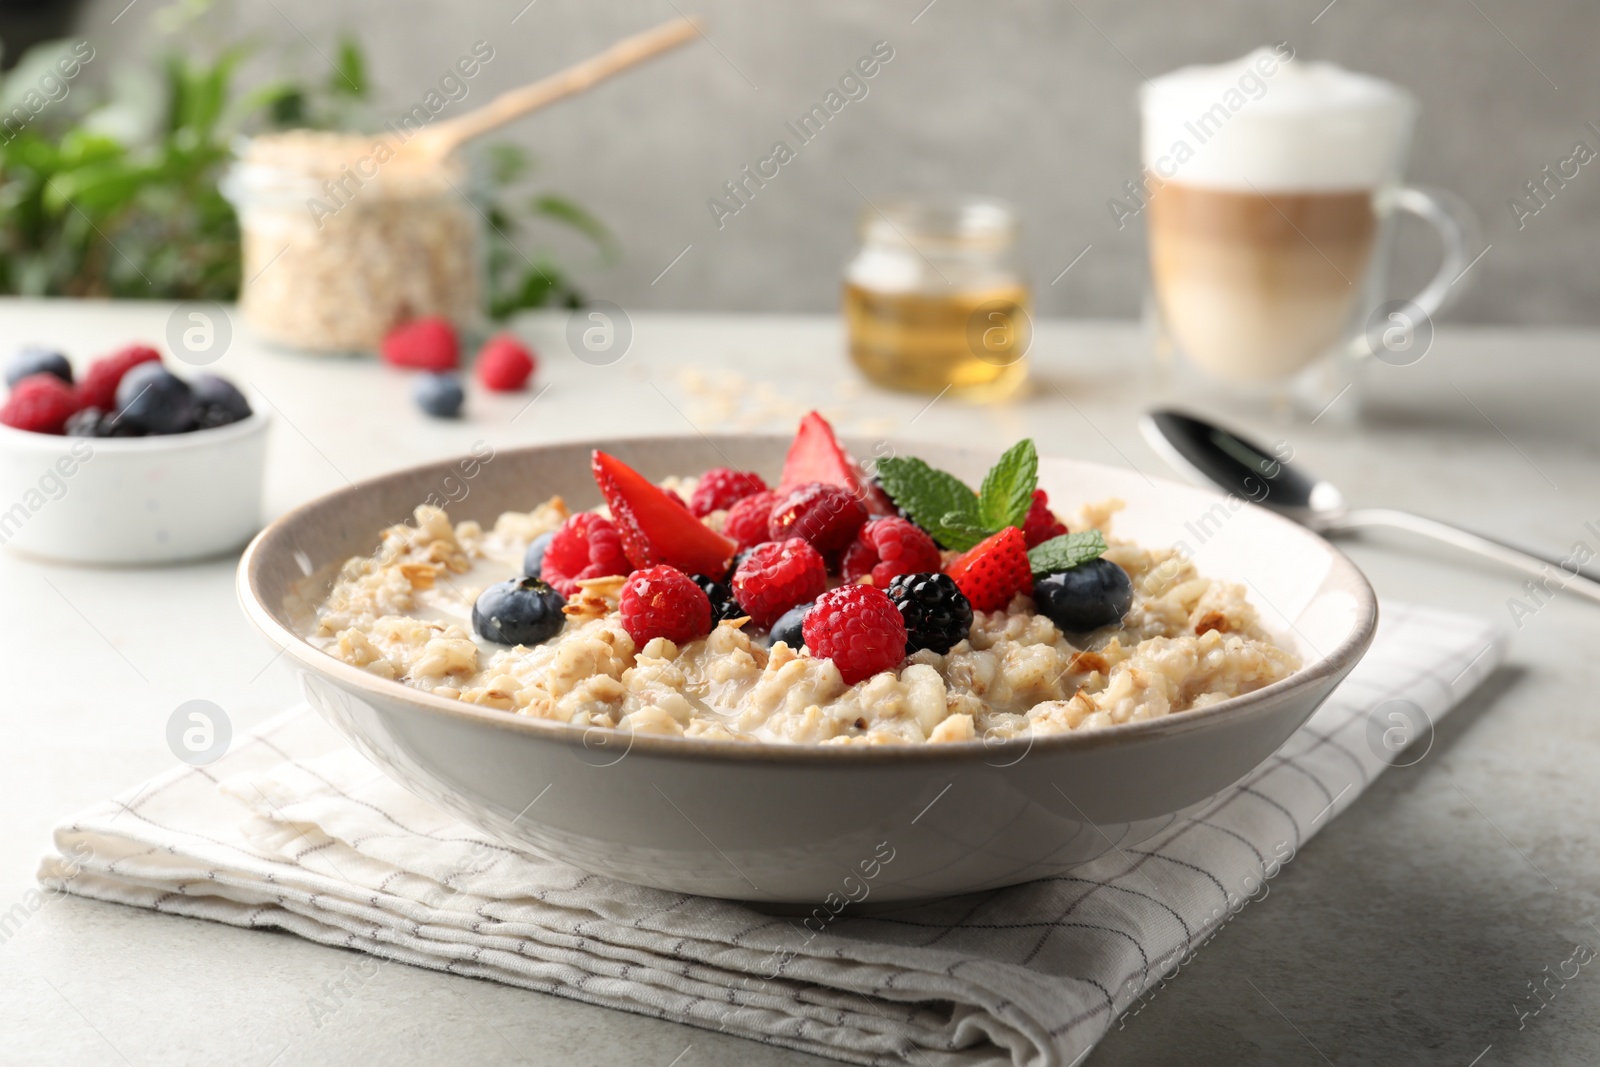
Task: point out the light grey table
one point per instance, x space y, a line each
1404 934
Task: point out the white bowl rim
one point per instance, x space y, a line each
28 440
1336 663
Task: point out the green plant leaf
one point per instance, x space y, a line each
349 77
560 209
1007 490
937 501
1066 552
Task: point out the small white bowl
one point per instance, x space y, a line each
155 499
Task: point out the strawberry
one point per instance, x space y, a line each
993 571
422 344
656 527
816 456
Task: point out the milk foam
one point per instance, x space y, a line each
1270 123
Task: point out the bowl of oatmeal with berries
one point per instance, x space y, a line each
760 642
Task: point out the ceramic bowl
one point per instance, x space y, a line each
788 823
125 500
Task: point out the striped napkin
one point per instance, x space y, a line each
293 830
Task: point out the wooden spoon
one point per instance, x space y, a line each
439 140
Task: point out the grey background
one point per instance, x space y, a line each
1030 100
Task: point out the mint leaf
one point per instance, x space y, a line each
1066 552
929 495
1007 490
959 532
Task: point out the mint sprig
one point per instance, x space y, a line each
949 510
1007 490
1066 552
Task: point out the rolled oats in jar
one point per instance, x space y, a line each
343 239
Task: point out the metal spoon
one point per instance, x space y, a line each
1211 455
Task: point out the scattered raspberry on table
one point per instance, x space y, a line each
427 343
505 364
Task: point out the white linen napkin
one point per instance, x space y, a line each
292 829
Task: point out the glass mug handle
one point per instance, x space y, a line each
1454 222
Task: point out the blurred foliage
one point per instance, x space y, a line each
116 195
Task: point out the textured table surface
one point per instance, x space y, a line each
1411 931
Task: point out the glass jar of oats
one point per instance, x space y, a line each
343 239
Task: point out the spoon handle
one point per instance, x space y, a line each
1552 574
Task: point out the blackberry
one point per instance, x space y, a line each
92 422
936 613
723 606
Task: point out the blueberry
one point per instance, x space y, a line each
790 626
221 402
723 606
522 611
937 614
37 361
1087 597
533 562
439 395
155 400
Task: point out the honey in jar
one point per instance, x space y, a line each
934 299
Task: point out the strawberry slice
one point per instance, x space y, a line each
816 456
655 526
994 570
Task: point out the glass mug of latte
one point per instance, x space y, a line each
1271 186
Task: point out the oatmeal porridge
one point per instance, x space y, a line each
834 609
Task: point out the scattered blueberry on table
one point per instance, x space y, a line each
440 395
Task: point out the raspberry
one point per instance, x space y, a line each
422 344
859 628
827 516
586 546
887 547
99 386
664 602
746 523
41 403
776 576
993 572
1041 524
722 487
936 613
505 364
